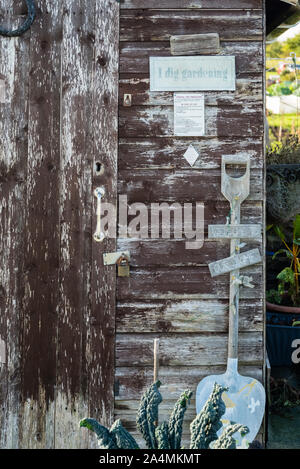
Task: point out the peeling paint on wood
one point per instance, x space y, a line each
2 91
167 152
54 93
180 349
191 4
134 56
159 25
195 44
172 316
134 380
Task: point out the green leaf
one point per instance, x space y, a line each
297 227
273 296
286 276
281 251
147 416
279 232
226 440
176 419
162 436
207 423
122 437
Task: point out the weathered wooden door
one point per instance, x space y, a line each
58 122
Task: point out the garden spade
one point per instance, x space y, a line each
245 398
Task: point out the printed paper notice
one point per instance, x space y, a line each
189 115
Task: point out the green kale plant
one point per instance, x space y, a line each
168 435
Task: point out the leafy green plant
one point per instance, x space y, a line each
279 89
286 152
289 277
273 296
168 435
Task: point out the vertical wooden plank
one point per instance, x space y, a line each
42 231
14 66
76 236
264 143
105 136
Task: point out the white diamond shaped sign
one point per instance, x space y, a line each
191 155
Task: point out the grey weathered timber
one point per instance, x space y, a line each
71 400
237 261
14 69
105 150
135 55
159 25
234 231
41 276
191 4
58 108
195 44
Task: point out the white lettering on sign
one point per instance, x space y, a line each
192 73
235 262
234 231
189 114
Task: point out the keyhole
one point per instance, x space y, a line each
99 168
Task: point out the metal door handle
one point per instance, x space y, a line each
99 235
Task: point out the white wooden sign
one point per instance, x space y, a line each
235 262
189 114
234 231
192 73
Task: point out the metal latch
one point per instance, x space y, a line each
121 259
127 100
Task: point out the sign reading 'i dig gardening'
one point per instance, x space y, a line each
192 73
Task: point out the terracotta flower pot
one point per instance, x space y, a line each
282 309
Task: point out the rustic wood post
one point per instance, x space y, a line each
156 360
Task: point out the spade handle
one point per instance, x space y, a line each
235 190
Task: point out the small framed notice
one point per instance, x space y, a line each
189 114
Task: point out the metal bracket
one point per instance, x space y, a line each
110 258
127 100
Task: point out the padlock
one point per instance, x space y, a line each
123 266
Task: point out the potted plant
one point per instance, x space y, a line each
283 304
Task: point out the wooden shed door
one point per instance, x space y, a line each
58 119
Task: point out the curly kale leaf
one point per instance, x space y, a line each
162 436
226 441
122 437
176 419
207 423
105 439
147 416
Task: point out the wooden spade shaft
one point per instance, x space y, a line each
234 286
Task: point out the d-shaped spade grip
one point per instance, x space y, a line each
236 188
99 235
